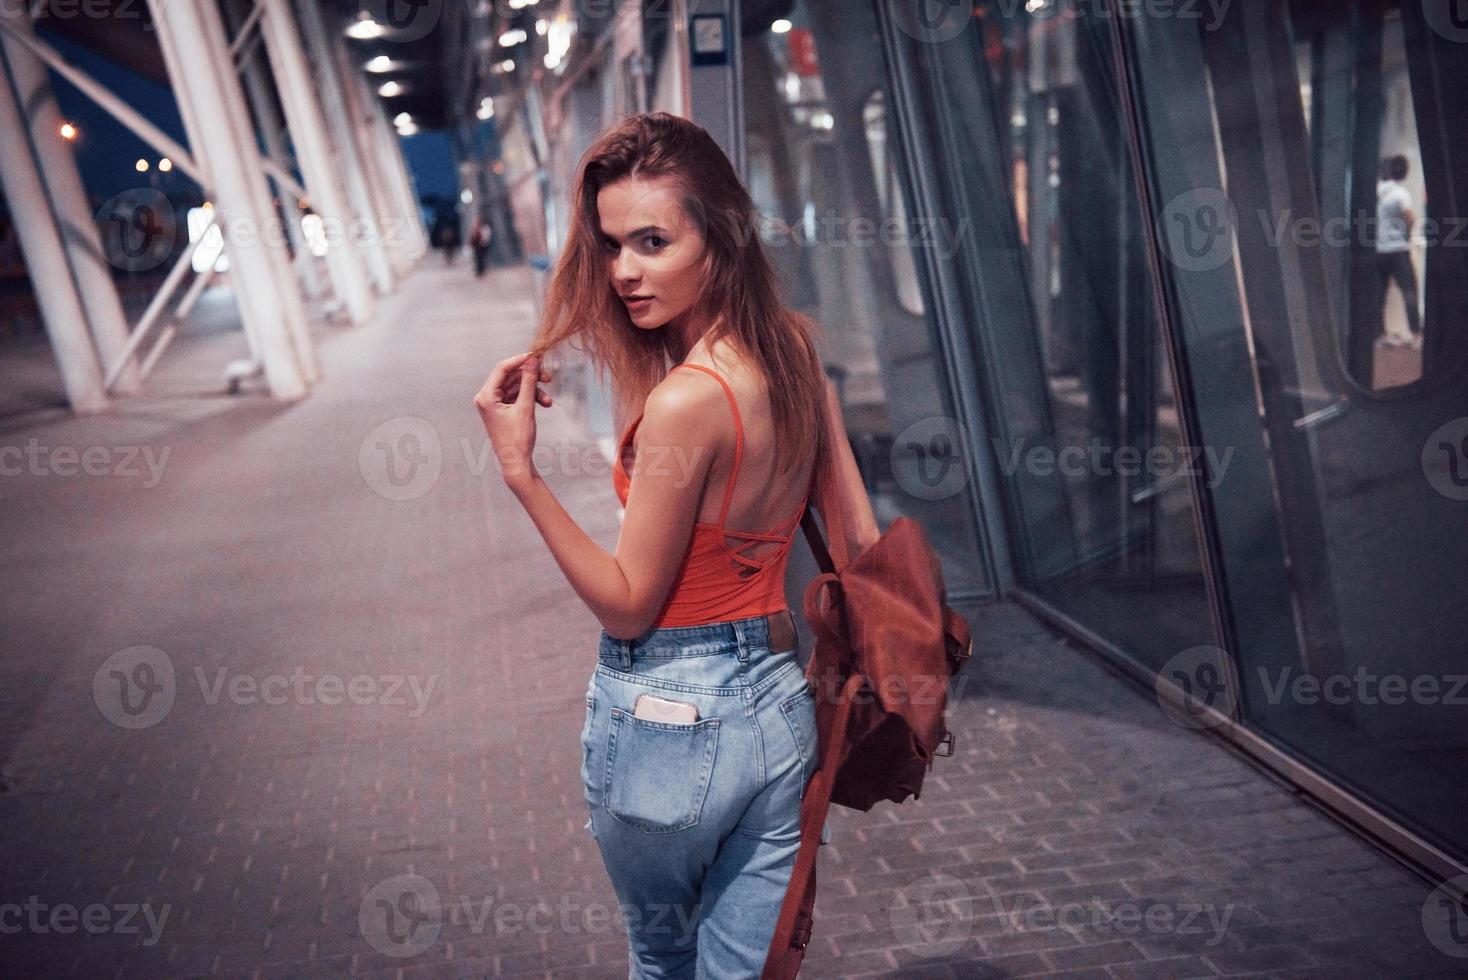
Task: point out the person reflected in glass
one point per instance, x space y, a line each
1394 220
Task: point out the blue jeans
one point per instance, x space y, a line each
698 824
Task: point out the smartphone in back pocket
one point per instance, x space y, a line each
654 708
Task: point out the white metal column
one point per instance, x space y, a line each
45 257
383 200
366 230
313 153
199 84
214 40
395 171
68 200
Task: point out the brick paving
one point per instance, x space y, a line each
369 765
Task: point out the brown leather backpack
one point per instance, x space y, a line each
886 645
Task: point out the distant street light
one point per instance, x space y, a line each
68 132
165 165
142 166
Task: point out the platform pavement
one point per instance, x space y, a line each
271 839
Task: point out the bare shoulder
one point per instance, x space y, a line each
683 404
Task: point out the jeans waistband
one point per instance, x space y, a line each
738 636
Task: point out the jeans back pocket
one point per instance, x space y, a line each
799 710
657 773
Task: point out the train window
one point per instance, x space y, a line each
894 206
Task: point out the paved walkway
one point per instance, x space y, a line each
269 707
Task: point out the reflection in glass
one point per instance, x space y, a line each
823 171
1124 557
1346 544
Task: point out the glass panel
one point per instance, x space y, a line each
1120 552
823 171
1344 548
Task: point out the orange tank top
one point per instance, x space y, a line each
717 582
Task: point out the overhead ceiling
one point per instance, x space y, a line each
412 39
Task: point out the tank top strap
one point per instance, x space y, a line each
738 438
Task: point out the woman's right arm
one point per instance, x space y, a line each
846 482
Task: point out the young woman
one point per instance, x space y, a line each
700 728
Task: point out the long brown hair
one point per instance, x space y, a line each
740 297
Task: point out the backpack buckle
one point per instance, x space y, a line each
946 740
801 936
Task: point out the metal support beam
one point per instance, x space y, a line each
324 186
396 169
207 89
182 160
384 204
45 256
364 230
260 93
67 199
232 99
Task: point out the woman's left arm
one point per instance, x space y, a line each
624 590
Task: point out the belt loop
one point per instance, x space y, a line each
624 651
743 640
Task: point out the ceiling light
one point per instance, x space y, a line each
389 89
380 63
364 28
